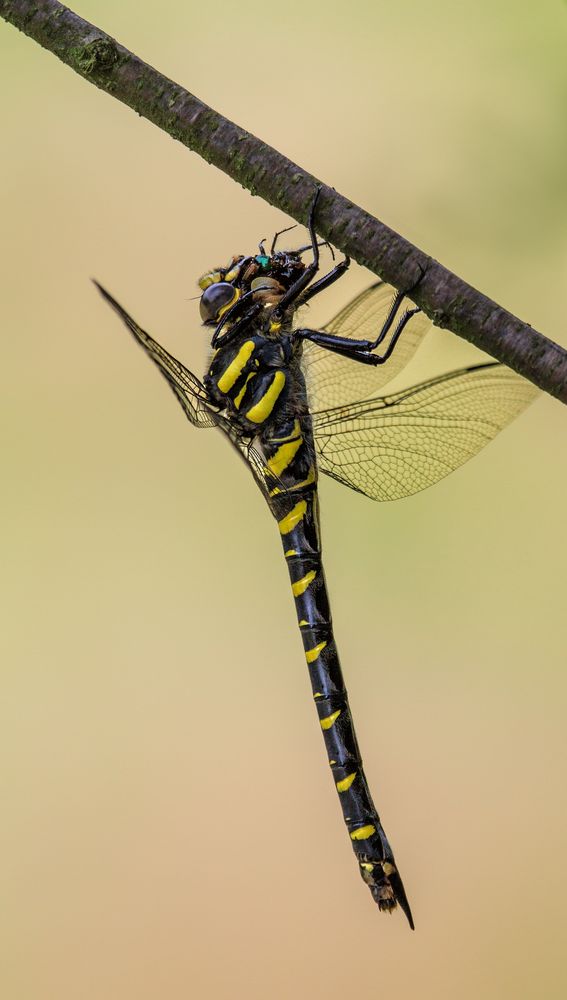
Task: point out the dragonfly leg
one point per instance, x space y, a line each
359 350
229 316
393 312
325 281
310 271
309 246
277 236
379 359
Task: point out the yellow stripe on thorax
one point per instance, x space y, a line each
234 370
261 411
300 586
291 520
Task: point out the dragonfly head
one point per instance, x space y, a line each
220 290
263 278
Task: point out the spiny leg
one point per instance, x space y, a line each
392 313
359 350
310 271
322 243
325 281
277 236
230 314
377 359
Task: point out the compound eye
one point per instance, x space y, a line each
216 299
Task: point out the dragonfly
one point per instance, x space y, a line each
294 401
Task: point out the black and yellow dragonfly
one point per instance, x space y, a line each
293 400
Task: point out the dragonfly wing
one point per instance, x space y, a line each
189 390
392 446
194 400
333 380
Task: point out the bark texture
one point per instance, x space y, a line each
447 299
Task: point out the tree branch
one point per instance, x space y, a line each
448 300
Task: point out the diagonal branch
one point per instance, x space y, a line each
448 300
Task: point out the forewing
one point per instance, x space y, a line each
189 390
334 380
194 400
392 446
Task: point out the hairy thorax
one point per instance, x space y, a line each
256 378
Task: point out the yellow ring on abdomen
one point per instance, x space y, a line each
363 832
291 520
284 456
345 783
313 654
330 720
300 586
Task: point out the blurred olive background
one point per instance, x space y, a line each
169 826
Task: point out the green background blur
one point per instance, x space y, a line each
169 828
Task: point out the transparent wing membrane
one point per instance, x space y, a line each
188 389
386 447
392 446
333 380
192 395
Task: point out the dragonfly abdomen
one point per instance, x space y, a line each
297 515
